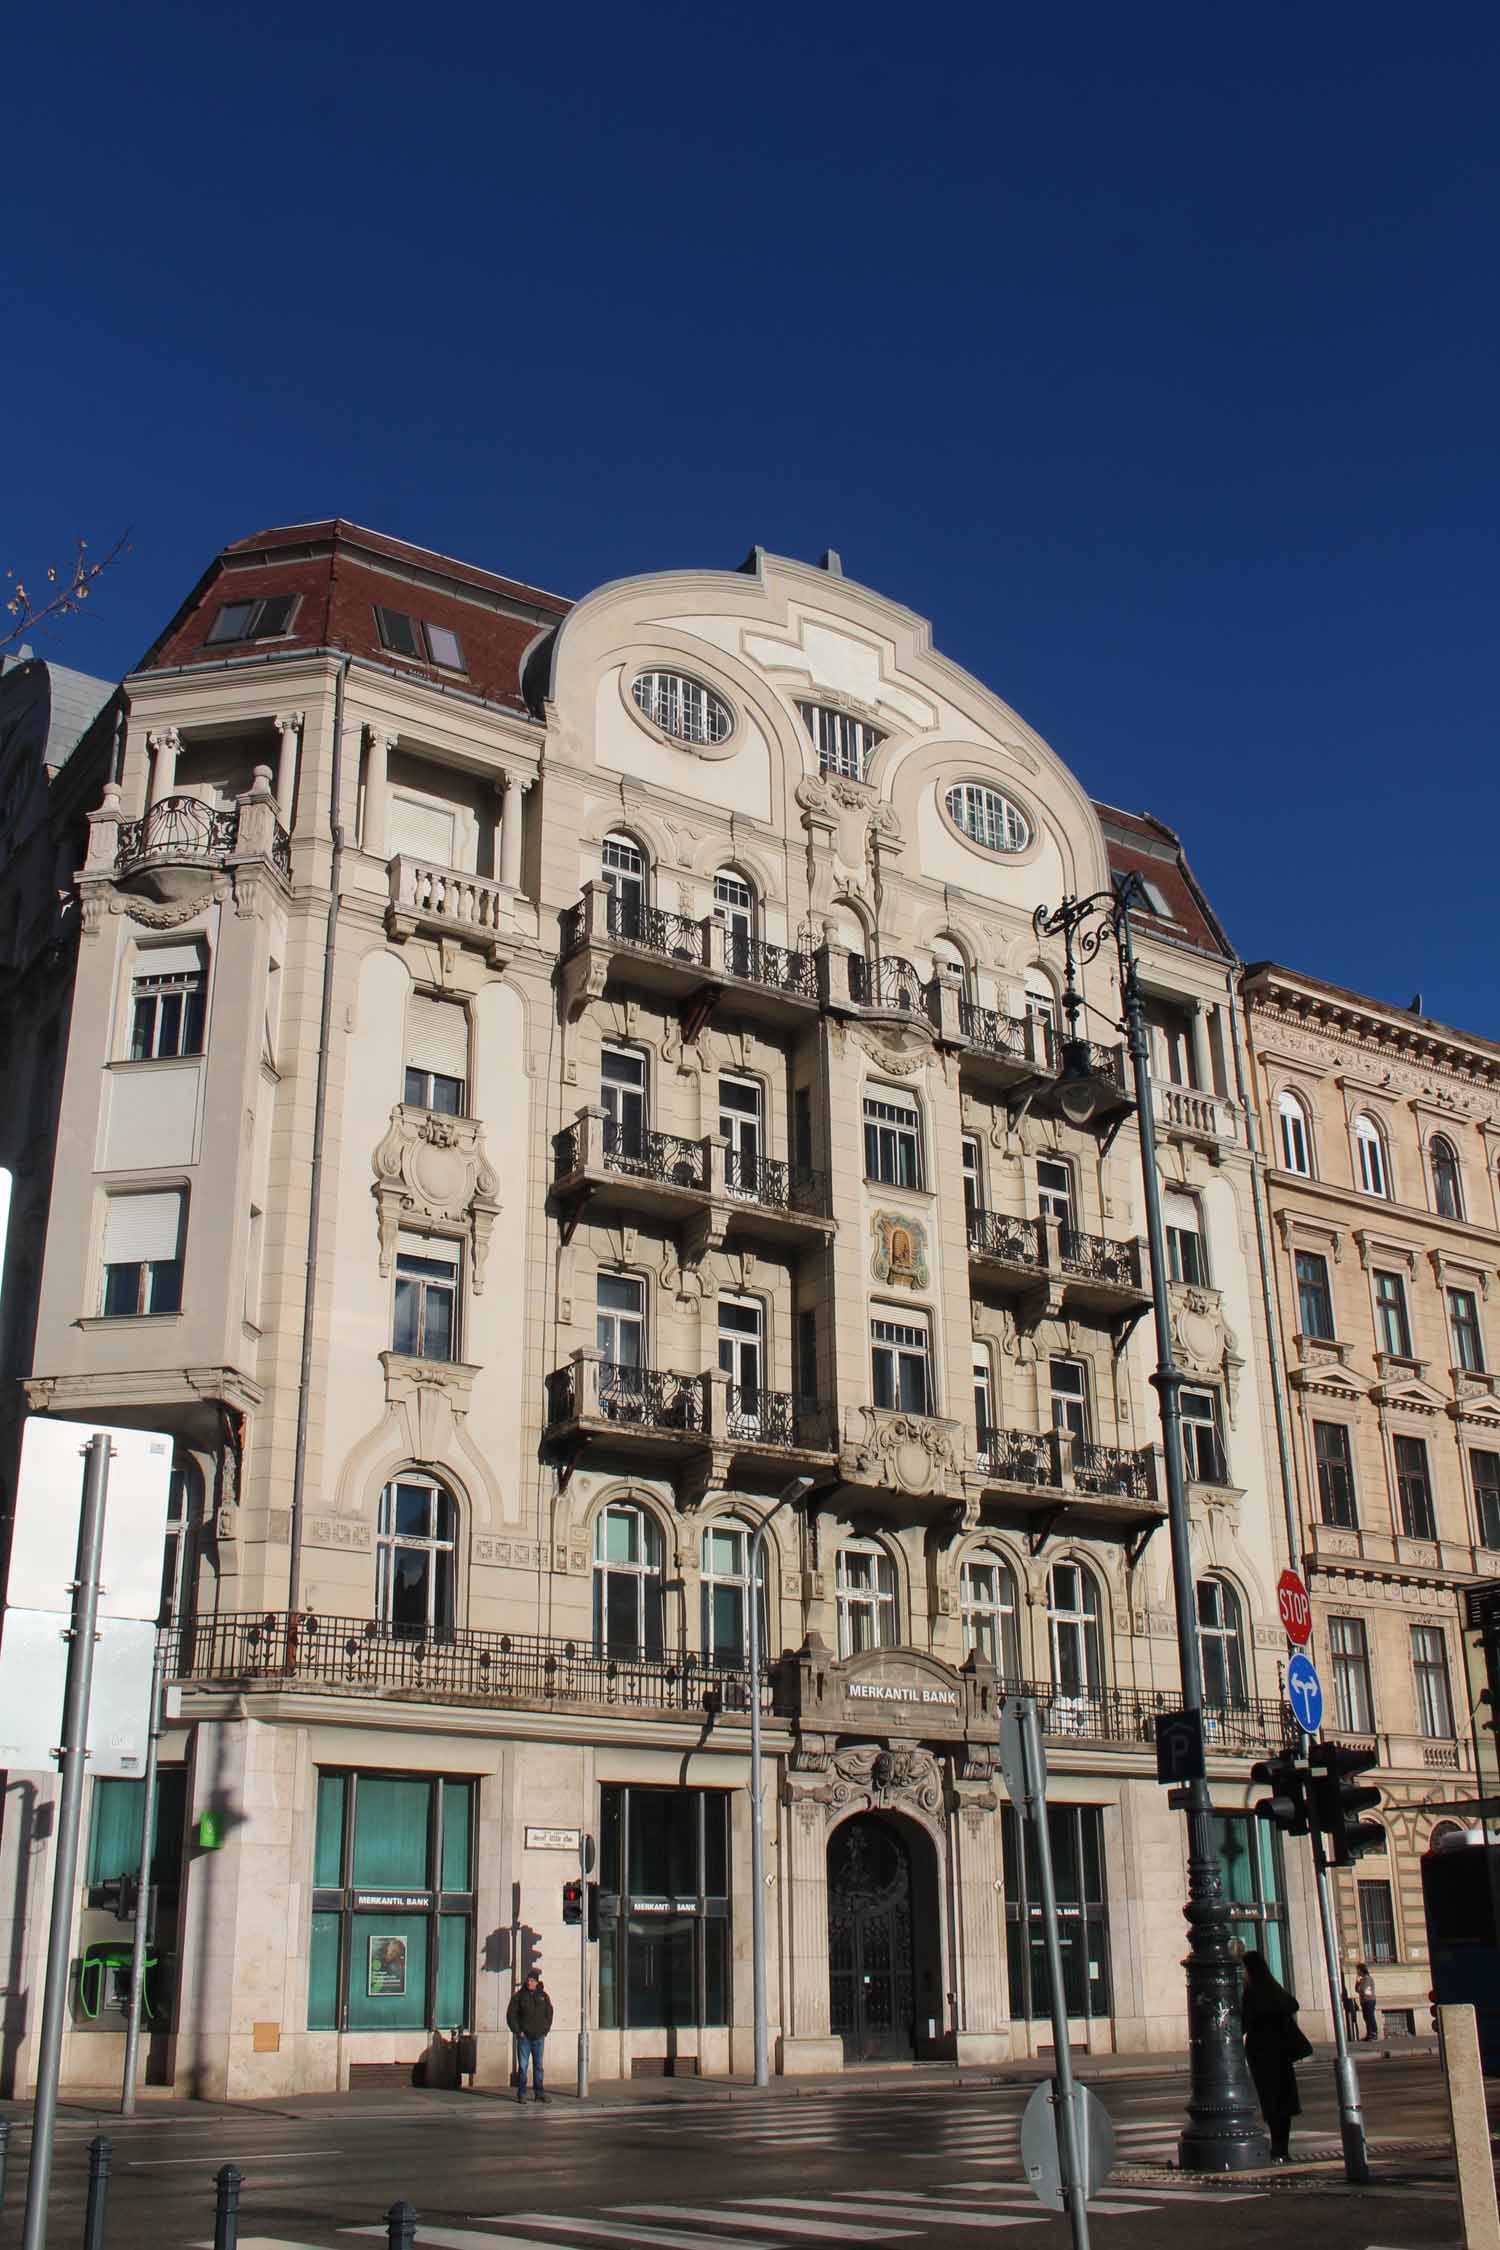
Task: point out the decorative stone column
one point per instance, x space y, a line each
163 746
983 2027
288 725
380 745
807 2044
516 787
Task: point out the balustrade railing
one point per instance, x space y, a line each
444 894
995 1234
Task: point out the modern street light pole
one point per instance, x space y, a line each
1224 2132
795 1491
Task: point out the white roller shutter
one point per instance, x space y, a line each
142 1229
421 831
1179 1211
437 1036
169 961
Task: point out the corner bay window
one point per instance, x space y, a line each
142 1255
166 1004
893 1144
866 1586
392 1937
664 1951
414 1549
1076 1834
426 1311
901 1364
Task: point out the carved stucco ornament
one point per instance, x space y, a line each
881 1775
906 1450
434 1169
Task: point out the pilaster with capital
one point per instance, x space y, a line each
516 786
379 746
288 725
163 745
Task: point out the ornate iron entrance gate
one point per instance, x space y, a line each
872 1993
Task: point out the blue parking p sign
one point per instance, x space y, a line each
1304 1692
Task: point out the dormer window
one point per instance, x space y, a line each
683 708
413 637
845 745
254 621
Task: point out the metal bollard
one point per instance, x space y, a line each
228 2181
4 2150
401 2226
100 2152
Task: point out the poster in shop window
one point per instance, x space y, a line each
387 1971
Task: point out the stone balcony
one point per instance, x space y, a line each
1184 1113
1057 1269
723 1191
444 902
1059 1478
1411 1753
183 838
680 956
704 1421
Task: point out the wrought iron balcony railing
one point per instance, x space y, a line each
777 1185
885 980
1057 1461
1020 1039
1093 1257
1129 1715
640 1398
655 1156
1114 1471
1021 1457
707 1409
775 966
656 930
994 1234
776 1418
185 830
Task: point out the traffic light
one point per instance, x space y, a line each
1287 1808
1338 1801
573 1904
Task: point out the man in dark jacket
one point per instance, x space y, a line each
529 2016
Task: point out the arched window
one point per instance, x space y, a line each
682 707
848 927
1221 1642
845 744
725 1557
414 1547
1076 1646
988 817
1041 1015
734 906
866 1597
1447 1181
1446 1837
627 1582
1296 1133
987 1591
623 871
1369 1149
949 965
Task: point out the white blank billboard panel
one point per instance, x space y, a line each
49 1499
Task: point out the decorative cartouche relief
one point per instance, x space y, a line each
910 1451
434 1169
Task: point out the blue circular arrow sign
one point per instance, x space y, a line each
1304 1692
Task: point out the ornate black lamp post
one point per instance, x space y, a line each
1224 2131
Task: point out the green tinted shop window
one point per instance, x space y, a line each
392 1832
328 1851
453 1971
388 1972
115 1829
323 1973
458 1824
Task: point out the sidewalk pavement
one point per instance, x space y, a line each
159 2105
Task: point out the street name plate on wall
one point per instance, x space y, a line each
553 1840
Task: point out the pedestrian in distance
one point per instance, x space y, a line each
1364 1993
1351 2012
1274 2043
529 2016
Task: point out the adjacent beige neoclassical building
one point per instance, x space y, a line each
1382 1137
543 1084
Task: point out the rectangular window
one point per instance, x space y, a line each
664 1944
620 1319
166 1004
984 1402
1390 1315
1429 1664
844 743
1076 1834
901 1364
1253 1872
973 1176
742 1125
1070 1397
1054 1185
114 1846
393 1902
1186 1261
254 621
437 1055
742 1356
1353 1702
143 1255
893 1139
1484 1468
1202 1446
1414 1488
622 1097
1463 1327
426 1318
1314 1296
1335 1463
1377 1923
424 643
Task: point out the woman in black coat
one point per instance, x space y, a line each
1274 2041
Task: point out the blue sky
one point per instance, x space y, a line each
1152 354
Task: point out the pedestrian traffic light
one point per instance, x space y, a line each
1287 1807
573 1904
1338 1801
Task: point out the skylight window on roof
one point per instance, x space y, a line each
423 643
254 621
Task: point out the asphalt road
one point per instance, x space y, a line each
846 2164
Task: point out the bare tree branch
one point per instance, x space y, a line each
67 590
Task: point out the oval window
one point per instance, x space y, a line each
682 708
987 817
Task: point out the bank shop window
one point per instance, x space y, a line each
1077 1837
664 1865
393 1903
1254 1876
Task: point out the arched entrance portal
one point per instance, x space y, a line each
884 1967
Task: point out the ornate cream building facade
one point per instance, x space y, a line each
1382 1139
545 1083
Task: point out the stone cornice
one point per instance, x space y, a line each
1354 1026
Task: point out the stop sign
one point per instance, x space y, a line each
1295 1608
